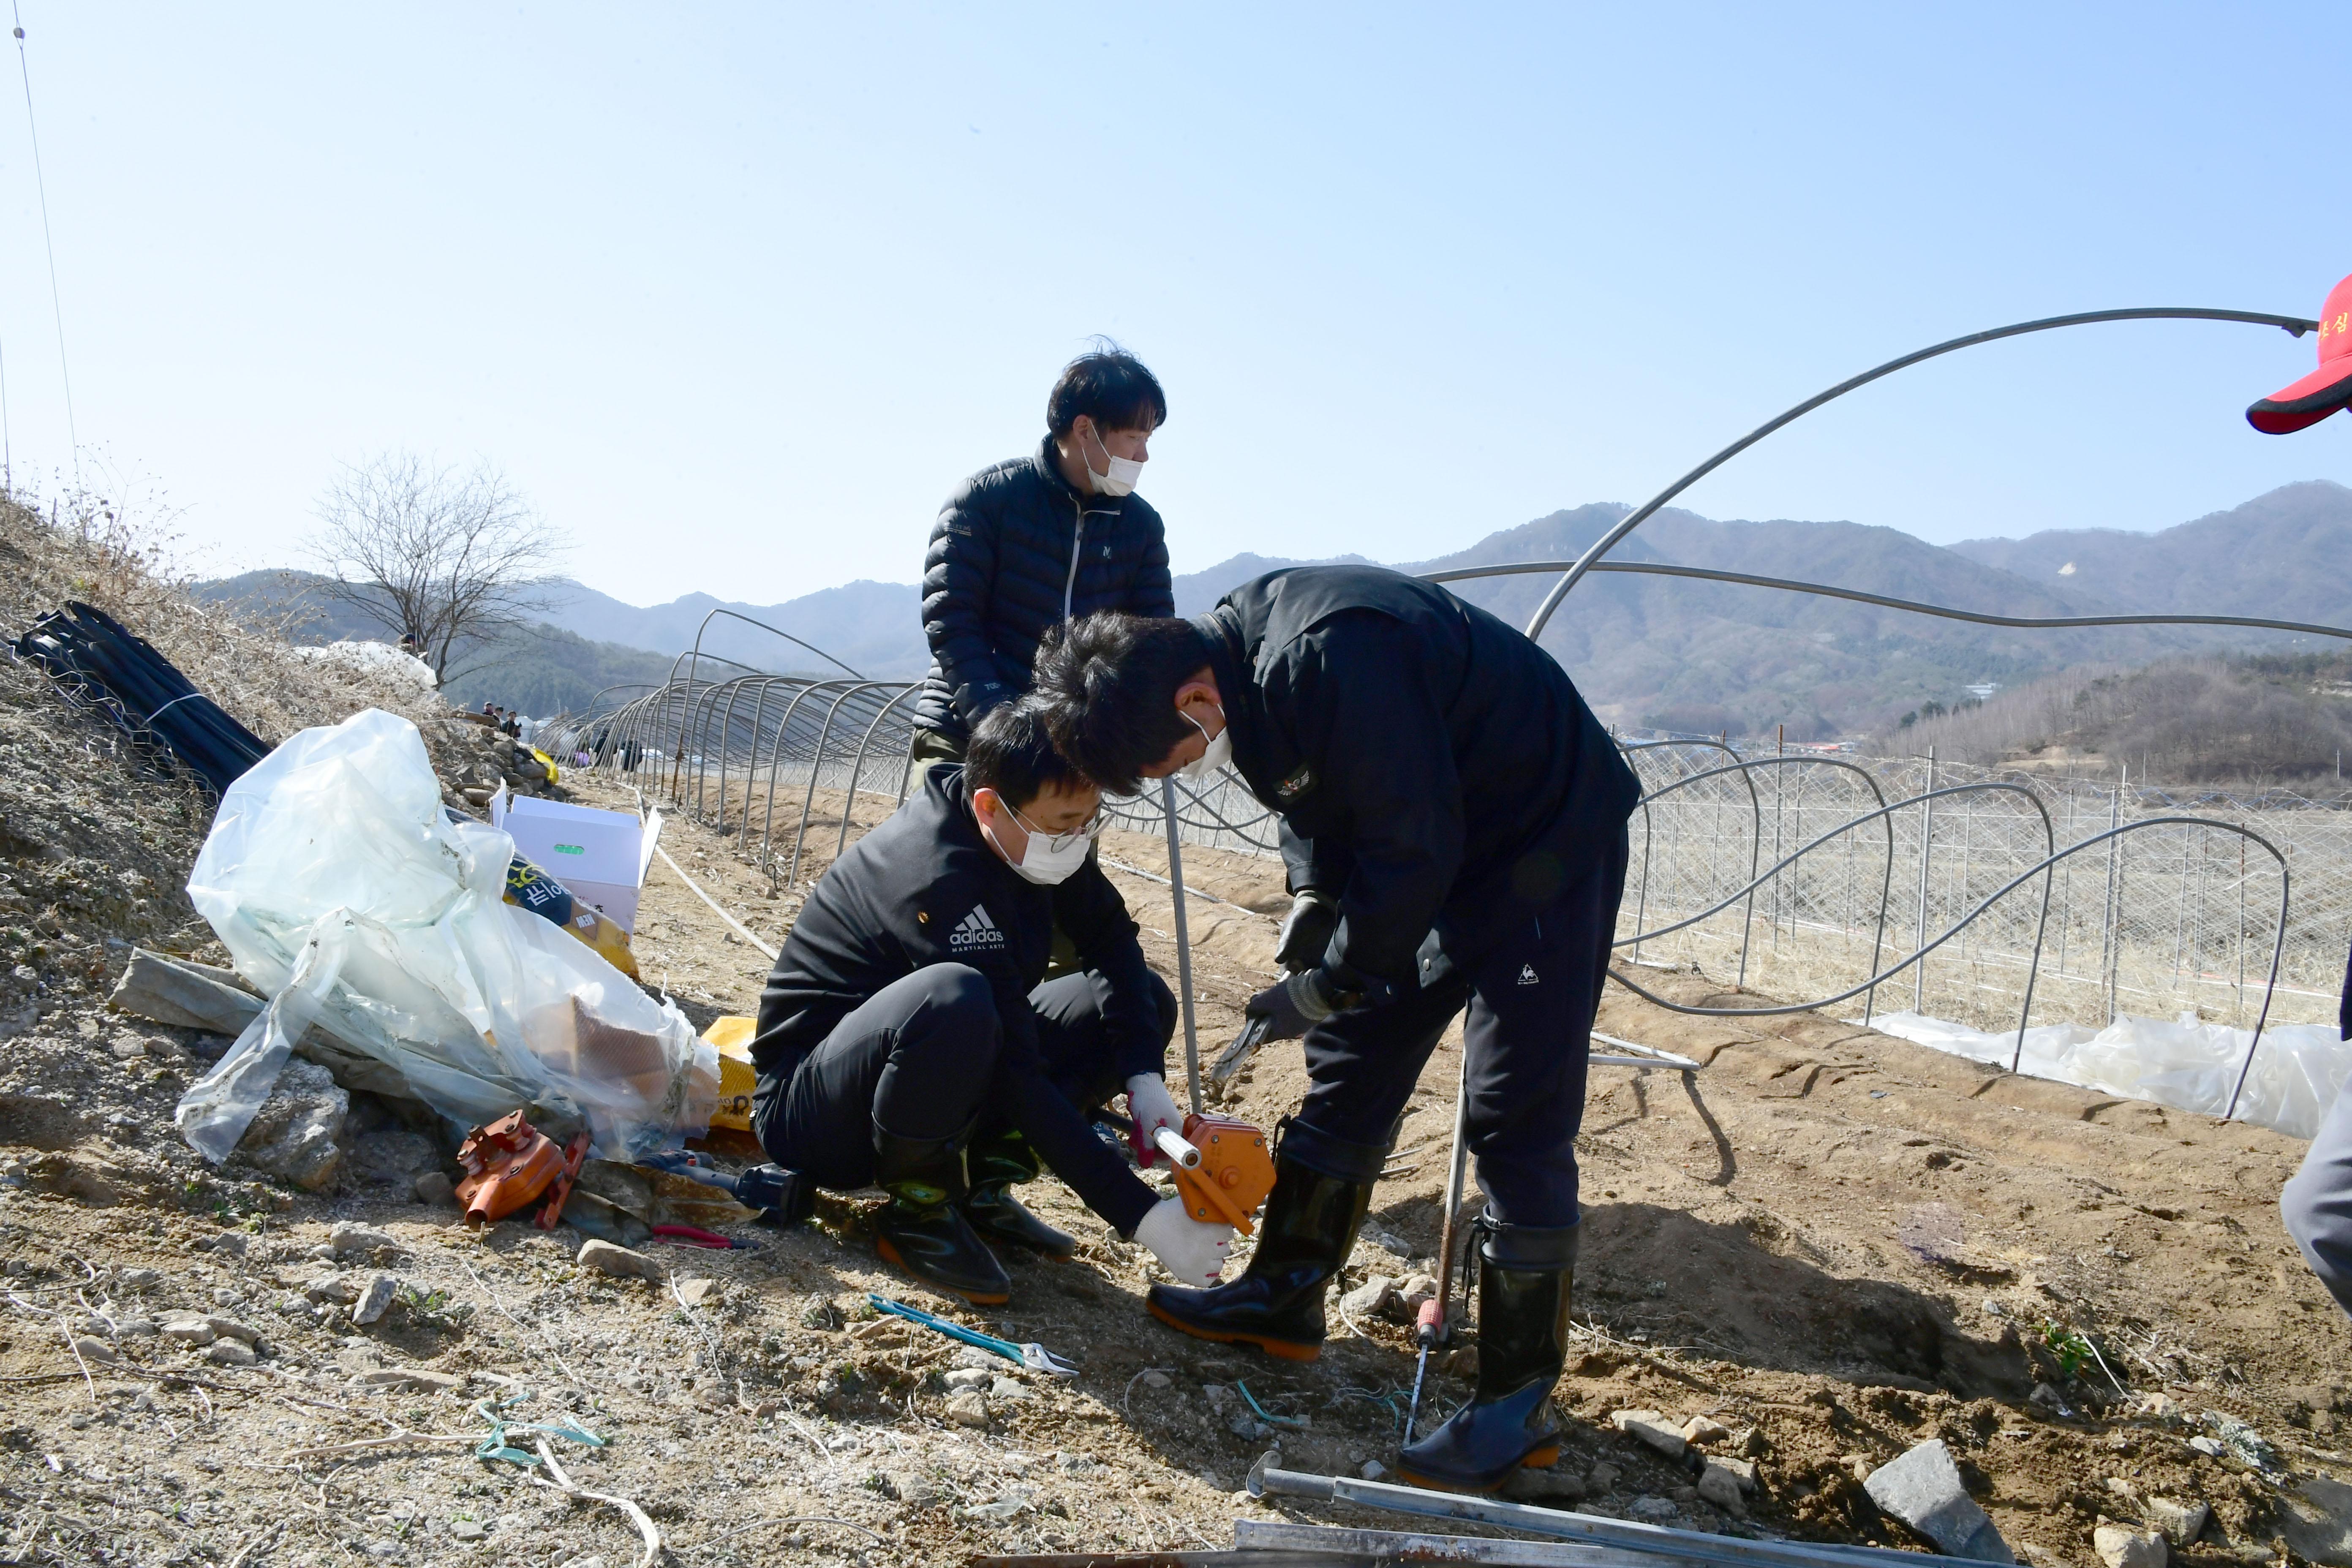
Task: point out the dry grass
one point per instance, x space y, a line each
122 565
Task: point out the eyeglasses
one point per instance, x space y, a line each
1090 829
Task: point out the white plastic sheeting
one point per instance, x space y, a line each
344 893
2184 1064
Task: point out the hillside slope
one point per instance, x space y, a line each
2279 556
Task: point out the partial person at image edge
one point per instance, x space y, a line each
1035 540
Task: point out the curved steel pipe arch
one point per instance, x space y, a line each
2297 325
732 615
1746 579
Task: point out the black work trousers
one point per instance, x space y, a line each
1532 993
917 1057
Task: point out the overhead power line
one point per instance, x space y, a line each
40 184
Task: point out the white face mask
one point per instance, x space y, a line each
1124 471
1220 751
1051 857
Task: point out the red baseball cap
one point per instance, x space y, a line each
2325 390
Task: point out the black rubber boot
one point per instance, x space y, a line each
1525 1278
1322 1188
922 1228
996 1161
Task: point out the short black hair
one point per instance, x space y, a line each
1109 386
1106 687
1012 753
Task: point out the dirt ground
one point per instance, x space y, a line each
1833 1243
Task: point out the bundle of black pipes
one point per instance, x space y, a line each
101 663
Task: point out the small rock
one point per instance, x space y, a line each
298 1131
94 1349
340 1289
1373 1470
136 1327
434 1188
607 1258
1705 1430
1601 1478
2178 1523
407 1377
1463 1362
346 1236
2046 1396
2208 1446
136 1279
878 1331
127 1050
916 1489
1649 1427
1386 1242
1685 1494
2121 1547
374 1299
965 1379
1417 1285
1155 1380
1654 1509
1544 1487
1367 1300
1721 1487
695 1292
1922 1488
230 1353
189 1330
968 1409
2163 1407
230 1328
1002 1387
395 1156
1741 1470
467 1530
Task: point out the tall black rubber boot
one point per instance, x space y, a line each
996 1161
1322 1188
1526 1276
922 1229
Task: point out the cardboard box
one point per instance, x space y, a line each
600 856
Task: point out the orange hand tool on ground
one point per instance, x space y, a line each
509 1165
1223 1167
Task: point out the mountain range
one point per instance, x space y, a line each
1656 652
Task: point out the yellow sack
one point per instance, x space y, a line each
732 1037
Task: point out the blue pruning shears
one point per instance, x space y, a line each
1035 1357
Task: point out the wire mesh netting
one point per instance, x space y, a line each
1798 876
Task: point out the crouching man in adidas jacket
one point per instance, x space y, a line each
905 1041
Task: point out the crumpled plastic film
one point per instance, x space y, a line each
2191 1065
337 841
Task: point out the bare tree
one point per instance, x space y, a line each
448 560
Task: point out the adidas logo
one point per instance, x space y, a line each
976 930
1528 974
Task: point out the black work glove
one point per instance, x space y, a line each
1307 930
1291 1006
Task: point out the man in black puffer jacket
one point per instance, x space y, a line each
1036 540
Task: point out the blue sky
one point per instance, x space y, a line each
737 295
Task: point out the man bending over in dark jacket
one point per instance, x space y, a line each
1034 541
1456 837
904 1040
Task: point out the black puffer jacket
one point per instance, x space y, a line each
1434 770
1015 551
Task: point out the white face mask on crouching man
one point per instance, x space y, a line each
1051 857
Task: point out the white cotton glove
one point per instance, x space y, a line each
1148 1102
1193 1250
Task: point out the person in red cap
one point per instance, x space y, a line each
2317 1204
2323 392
